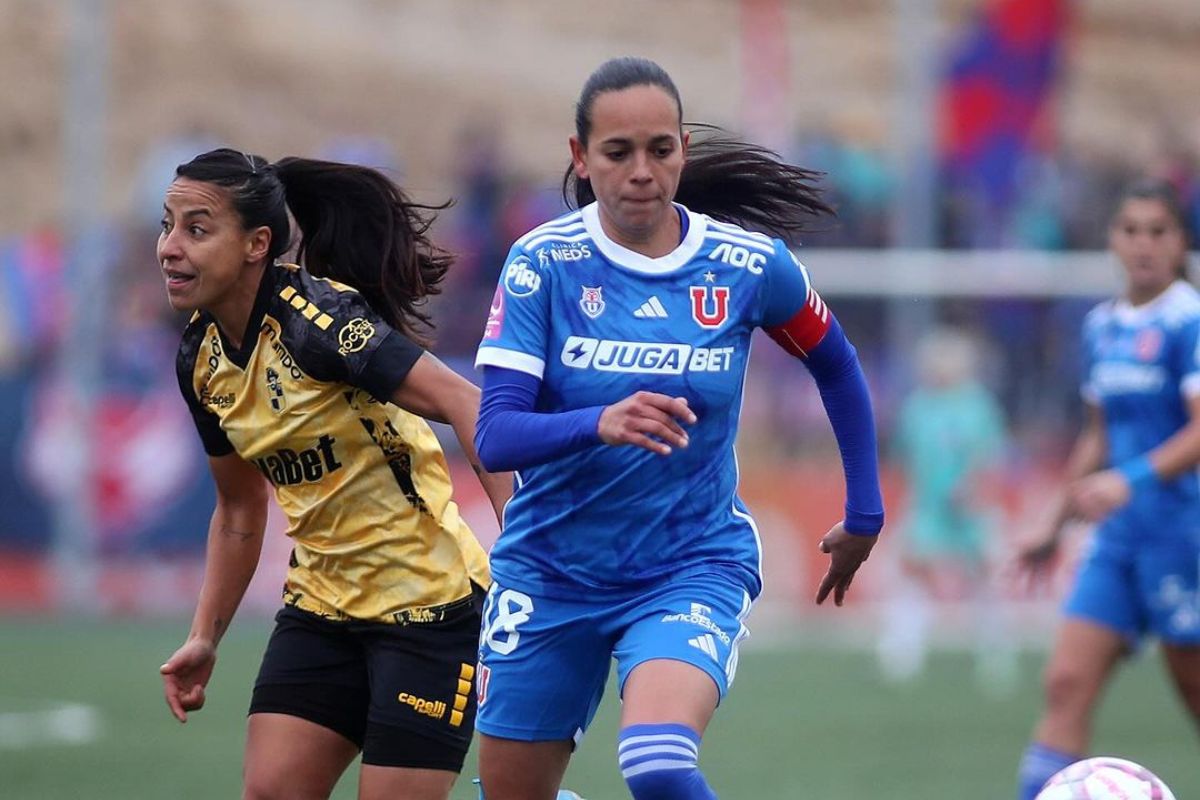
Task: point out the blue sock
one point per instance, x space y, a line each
1037 765
658 762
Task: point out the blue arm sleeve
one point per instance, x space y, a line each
843 387
511 435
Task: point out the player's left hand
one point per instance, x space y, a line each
185 675
847 551
1096 496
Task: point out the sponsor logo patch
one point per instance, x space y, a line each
563 252
495 320
430 708
592 301
354 336
652 358
520 278
275 391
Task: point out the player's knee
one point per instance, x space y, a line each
1188 684
1065 687
256 788
659 762
265 784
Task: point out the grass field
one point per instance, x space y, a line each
802 722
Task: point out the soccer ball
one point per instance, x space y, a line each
1105 778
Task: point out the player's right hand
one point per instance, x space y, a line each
649 420
1032 558
185 675
847 551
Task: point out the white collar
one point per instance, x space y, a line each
1129 314
624 257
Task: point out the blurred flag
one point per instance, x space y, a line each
997 100
766 72
31 282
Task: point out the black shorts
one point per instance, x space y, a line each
405 694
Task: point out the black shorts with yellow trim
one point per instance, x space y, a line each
404 694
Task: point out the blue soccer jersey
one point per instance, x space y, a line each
597 322
1141 367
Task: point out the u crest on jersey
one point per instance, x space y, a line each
710 305
592 302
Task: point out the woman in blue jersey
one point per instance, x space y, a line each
613 362
1133 471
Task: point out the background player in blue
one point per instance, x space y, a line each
320 389
613 360
1133 470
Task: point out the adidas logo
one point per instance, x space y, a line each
651 309
705 644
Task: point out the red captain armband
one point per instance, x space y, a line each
804 331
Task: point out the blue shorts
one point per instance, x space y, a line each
1136 588
543 662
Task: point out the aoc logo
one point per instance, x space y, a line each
287 467
275 391
739 257
520 278
354 336
646 358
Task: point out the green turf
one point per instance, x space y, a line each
801 723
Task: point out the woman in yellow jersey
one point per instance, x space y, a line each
313 380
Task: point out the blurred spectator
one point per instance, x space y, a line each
950 441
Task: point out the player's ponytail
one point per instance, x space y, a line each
739 182
723 177
359 228
356 227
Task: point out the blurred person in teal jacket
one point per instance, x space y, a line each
950 441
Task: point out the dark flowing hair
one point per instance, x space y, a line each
728 179
1164 192
356 227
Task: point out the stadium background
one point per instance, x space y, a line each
973 148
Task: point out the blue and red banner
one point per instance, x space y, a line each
998 96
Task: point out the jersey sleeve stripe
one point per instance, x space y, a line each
556 237
805 330
572 222
737 230
818 305
510 359
762 247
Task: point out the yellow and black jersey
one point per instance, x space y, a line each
364 484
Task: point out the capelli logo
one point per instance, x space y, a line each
430 708
225 400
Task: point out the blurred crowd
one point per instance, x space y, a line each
1030 346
